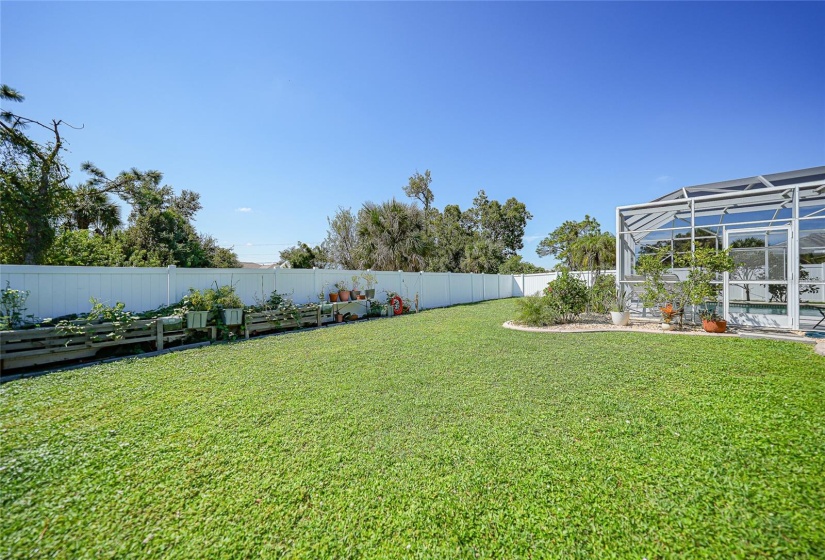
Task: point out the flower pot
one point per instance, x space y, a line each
362 297
668 327
370 293
620 318
232 316
355 293
196 319
714 326
353 317
339 318
343 295
333 297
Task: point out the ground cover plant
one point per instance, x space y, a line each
434 435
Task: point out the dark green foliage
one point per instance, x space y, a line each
560 242
33 189
84 248
441 432
536 311
602 293
516 265
567 296
304 256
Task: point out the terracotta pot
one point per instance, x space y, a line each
355 293
339 318
343 295
333 297
715 326
362 296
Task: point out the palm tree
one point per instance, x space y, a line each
392 236
93 209
594 252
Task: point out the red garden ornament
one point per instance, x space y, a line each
397 305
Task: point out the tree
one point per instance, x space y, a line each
419 189
303 256
32 185
91 209
82 247
501 224
392 236
341 242
594 252
515 265
450 237
559 242
160 230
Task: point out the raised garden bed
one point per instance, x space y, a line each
33 347
266 321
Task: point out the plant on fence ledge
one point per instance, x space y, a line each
370 280
116 315
12 305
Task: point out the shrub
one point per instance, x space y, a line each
535 311
602 294
567 296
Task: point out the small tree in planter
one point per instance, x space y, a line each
371 280
228 303
356 288
704 265
343 290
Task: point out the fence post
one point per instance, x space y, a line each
449 288
171 284
275 281
314 283
472 289
421 289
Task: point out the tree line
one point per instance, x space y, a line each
486 237
46 220
399 235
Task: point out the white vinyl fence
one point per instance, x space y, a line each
61 290
533 284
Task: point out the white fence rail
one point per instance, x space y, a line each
61 290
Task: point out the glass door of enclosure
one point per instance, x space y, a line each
756 292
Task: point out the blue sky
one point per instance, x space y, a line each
278 113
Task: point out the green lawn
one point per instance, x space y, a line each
440 435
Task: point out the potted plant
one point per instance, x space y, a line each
356 285
618 308
230 305
343 290
196 306
703 265
712 322
668 314
370 280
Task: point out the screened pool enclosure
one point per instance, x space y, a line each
774 226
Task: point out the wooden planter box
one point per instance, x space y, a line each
266 321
